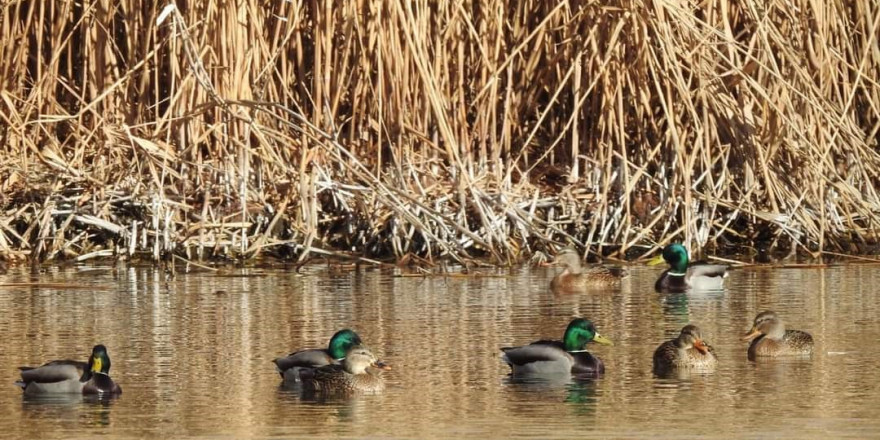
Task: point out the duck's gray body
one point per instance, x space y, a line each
550 358
65 377
291 366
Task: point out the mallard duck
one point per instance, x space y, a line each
575 277
769 338
290 366
567 356
358 373
66 376
688 350
681 277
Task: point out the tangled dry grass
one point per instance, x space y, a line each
479 130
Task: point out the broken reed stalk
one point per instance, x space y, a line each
442 130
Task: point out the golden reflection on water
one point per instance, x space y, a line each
193 354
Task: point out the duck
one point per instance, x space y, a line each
357 373
72 377
568 356
681 276
290 366
688 350
769 339
575 277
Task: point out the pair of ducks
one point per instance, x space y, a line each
345 366
768 338
680 277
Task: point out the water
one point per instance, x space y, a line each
193 354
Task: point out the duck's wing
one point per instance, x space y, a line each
540 351
702 269
610 272
665 355
705 276
55 371
316 376
312 358
798 340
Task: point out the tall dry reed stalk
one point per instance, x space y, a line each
434 129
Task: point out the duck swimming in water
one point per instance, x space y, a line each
357 373
67 376
688 350
575 277
567 356
291 365
769 338
681 276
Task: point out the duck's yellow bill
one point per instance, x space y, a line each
656 260
752 334
96 364
602 340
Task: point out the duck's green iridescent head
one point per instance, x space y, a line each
341 342
580 331
675 255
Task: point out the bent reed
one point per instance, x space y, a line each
484 130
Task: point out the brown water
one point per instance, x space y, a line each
193 355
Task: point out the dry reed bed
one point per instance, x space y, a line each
436 129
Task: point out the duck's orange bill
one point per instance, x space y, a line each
701 346
752 335
381 365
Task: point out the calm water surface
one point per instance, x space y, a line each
193 354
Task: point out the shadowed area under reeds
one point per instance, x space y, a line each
395 130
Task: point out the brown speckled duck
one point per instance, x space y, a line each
688 350
358 373
769 339
575 277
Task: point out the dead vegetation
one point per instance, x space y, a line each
487 130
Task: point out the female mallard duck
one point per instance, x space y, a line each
575 277
770 338
92 377
290 366
358 373
567 356
681 277
688 350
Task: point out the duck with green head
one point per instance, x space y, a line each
770 339
681 276
359 372
688 350
292 365
574 277
67 376
567 356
